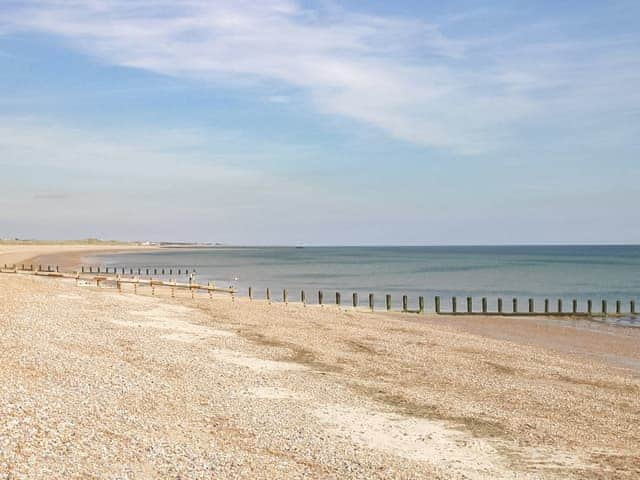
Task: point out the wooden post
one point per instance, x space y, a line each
338 298
387 301
437 304
284 295
147 271
604 307
155 271
499 305
171 271
320 297
118 284
531 306
515 305
469 305
250 293
139 271
589 307
48 268
269 295
83 269
632 307
618 307
484 304
405 303
131 271
354 299
303 298
546 305
163 271
574 306
421 304
371 301
57 268
454 304
559 305
123 270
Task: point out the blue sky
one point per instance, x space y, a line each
321 122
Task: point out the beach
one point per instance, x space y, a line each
96 383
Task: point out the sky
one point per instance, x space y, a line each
281 122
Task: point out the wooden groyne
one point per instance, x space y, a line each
136 278
120 281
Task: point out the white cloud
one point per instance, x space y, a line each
397 74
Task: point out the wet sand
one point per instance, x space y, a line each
105 384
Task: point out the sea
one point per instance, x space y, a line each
567 272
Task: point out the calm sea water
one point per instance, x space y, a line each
567 272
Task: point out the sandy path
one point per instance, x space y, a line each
96 383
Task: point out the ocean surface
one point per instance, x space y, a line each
567 272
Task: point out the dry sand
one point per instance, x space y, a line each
100 384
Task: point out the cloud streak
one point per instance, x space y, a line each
400 75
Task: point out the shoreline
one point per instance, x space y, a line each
390 395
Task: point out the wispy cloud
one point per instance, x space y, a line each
404 76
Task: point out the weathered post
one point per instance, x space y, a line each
338 299
437 304
618 307
499 305
371 302
155 271
454 304
48 268
546 305
515 305
387 301
405 303
632 307
147 271
589 307
268 295
90 269
574 306
250 293
171 271
420 304
82 268
131 271
604 307
469 305
139 271
354 299
303 298
320 297
484 304
284 296
531 306
163 271
57 269
559 305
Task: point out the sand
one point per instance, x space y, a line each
100 384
